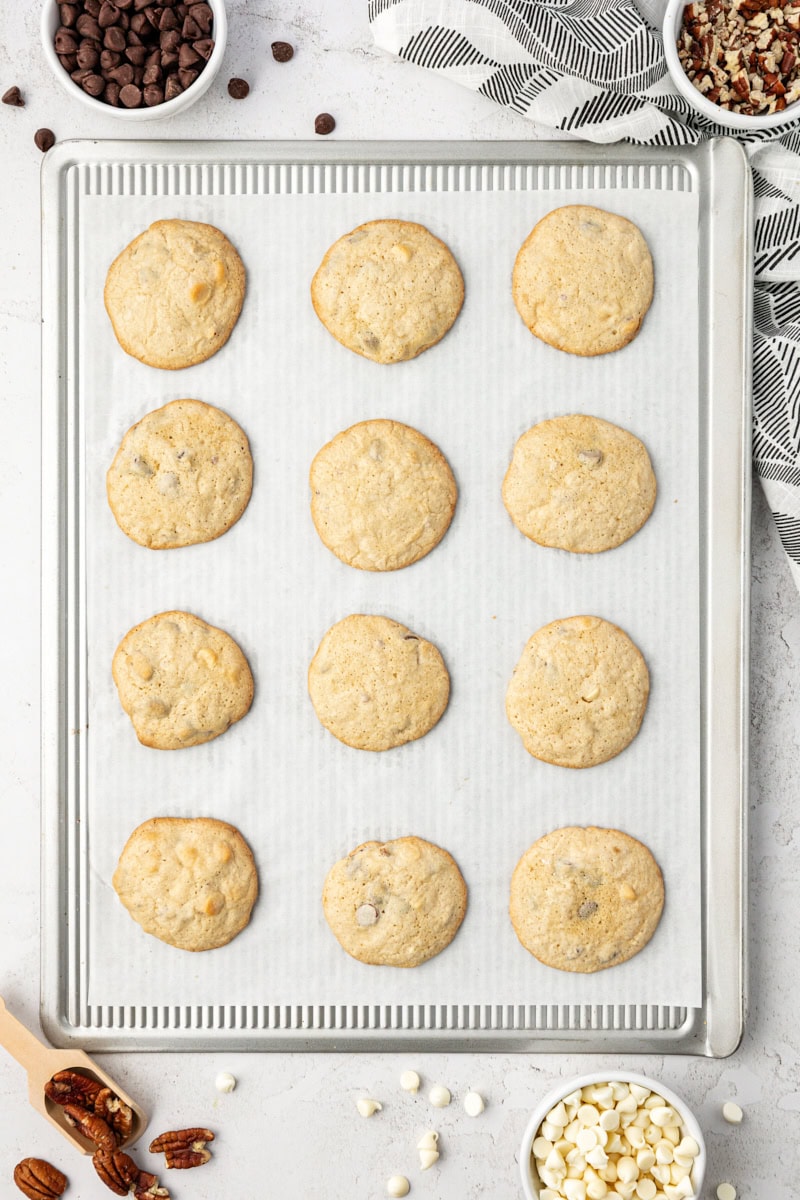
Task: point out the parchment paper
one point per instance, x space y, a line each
301 798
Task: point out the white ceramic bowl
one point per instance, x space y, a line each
531 1184
706 108
50 23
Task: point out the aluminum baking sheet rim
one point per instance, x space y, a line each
719 169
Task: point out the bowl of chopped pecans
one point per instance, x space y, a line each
135 60
737 62
615 1135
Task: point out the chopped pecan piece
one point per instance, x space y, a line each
183 1148
71 1087
115 1112
39 1180
91 1126
147 1186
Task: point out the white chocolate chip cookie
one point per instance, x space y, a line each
578 693
382 495
579 483
395 904
374 684
586 899
181 682
182 475
583 280
191 882
175 293
388 290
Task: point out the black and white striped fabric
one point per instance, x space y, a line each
595 69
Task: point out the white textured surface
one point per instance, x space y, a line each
291 1127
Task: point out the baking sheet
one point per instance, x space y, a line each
301 798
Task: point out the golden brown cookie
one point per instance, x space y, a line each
175 293
191 882
181 682
578 693
579 483
182 475
583 280
382 495
374 684
586 899
388 290
395 904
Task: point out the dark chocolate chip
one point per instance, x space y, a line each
109 14
109 60
169 59
153 95
111 94
324 123
114 39
68 61
202 15
168 20
81 74
238 88
170 40
282 51
191 29
172 88
187 55
122 74
130 95
13 97
136 55
87 56
204 47
92 7
44 139
65 42
187 77
69 14
87 26
94 85
139 23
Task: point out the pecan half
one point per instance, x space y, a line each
39 1180
183 1148
71 1087
117 1170
115 1112
91 1126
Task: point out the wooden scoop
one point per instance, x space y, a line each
42 1062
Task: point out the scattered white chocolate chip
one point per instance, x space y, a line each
474 1104
439 1097
225 1082
409 1081
429 1140
427 1158
726 1191
397 1185
732 1113
368 1107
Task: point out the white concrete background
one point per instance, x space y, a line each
290 1129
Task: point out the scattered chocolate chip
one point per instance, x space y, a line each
238 88
13 97
282 51
324 123
44 139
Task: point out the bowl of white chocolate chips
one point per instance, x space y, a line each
612 1137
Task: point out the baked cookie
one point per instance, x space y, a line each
579 483
190 881
374 684
382 495
395 904
175 293
183 474
181 682
586 899
578 693
583 280
388 290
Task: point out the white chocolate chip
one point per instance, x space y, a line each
590 458
429 1140
663 1116
574 1189
366 914
627 892
732 1113
726 1191
558 1115
410 1081
368 1107
398 1185
541 1147
439 1096
474 1104
225 1082
427 1158
553 1132
588 1115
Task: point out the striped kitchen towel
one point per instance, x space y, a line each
595 69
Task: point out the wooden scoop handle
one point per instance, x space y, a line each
21 1044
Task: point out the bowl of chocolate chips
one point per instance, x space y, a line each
136 60
737 62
